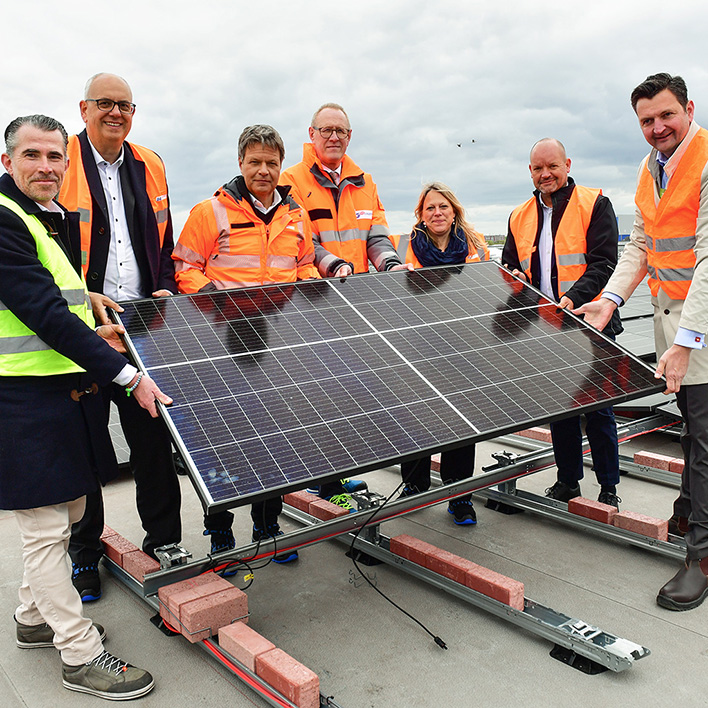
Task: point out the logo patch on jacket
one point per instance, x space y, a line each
364 214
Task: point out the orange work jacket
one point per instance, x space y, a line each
353 228
225 243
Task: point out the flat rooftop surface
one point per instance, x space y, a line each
369 655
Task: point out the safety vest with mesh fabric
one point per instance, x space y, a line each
670 221
570 241
22 352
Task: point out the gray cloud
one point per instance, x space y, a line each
417 79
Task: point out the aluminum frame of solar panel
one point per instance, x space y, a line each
279 387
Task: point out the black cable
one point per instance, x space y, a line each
352 554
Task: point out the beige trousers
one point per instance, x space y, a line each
47 594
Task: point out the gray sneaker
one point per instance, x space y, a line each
38 636
108 677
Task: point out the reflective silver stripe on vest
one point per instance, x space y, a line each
481 254
231 284
651 271
565 285
222 260
222 224
307 258
326 262
161 216
377 230
72 297
22 345
568 259
84 215
402 249
525 264
676 243
673 274
345 235
281 261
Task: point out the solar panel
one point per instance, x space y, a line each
277 386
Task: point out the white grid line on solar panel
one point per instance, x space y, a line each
371 391
241 335
445 436
408 363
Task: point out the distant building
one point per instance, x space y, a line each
624 224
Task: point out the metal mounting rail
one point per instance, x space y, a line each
602 647
243 673
324 530
625 431
558 511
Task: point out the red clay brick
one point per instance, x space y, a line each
108 531
594 510
296 682
497 586
536 433
651 459
171 596
138 564
243 643
641 524
435 463
412 549
449 565
676 465
322 509
461 570
301 500
116 547
203 617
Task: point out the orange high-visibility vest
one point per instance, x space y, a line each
75 194
670 221
570 241
343 228
402 244
223 242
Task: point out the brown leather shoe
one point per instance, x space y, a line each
678 525
687 589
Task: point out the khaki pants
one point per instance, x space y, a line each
47 594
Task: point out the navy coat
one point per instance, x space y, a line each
51 446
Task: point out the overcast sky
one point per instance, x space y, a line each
450 90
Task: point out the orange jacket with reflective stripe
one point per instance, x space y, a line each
570 242
353 228
225 243
75 194
402 244
670 221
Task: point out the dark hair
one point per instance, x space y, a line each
45 123
260 135
656 83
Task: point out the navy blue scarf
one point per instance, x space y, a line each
428 254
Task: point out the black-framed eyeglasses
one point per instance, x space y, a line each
326 133
105 105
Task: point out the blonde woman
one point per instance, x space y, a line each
442 236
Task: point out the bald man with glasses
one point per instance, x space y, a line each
120 192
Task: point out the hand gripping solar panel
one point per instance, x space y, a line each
275 387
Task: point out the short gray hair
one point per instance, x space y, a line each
334 106
45 123
260 135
